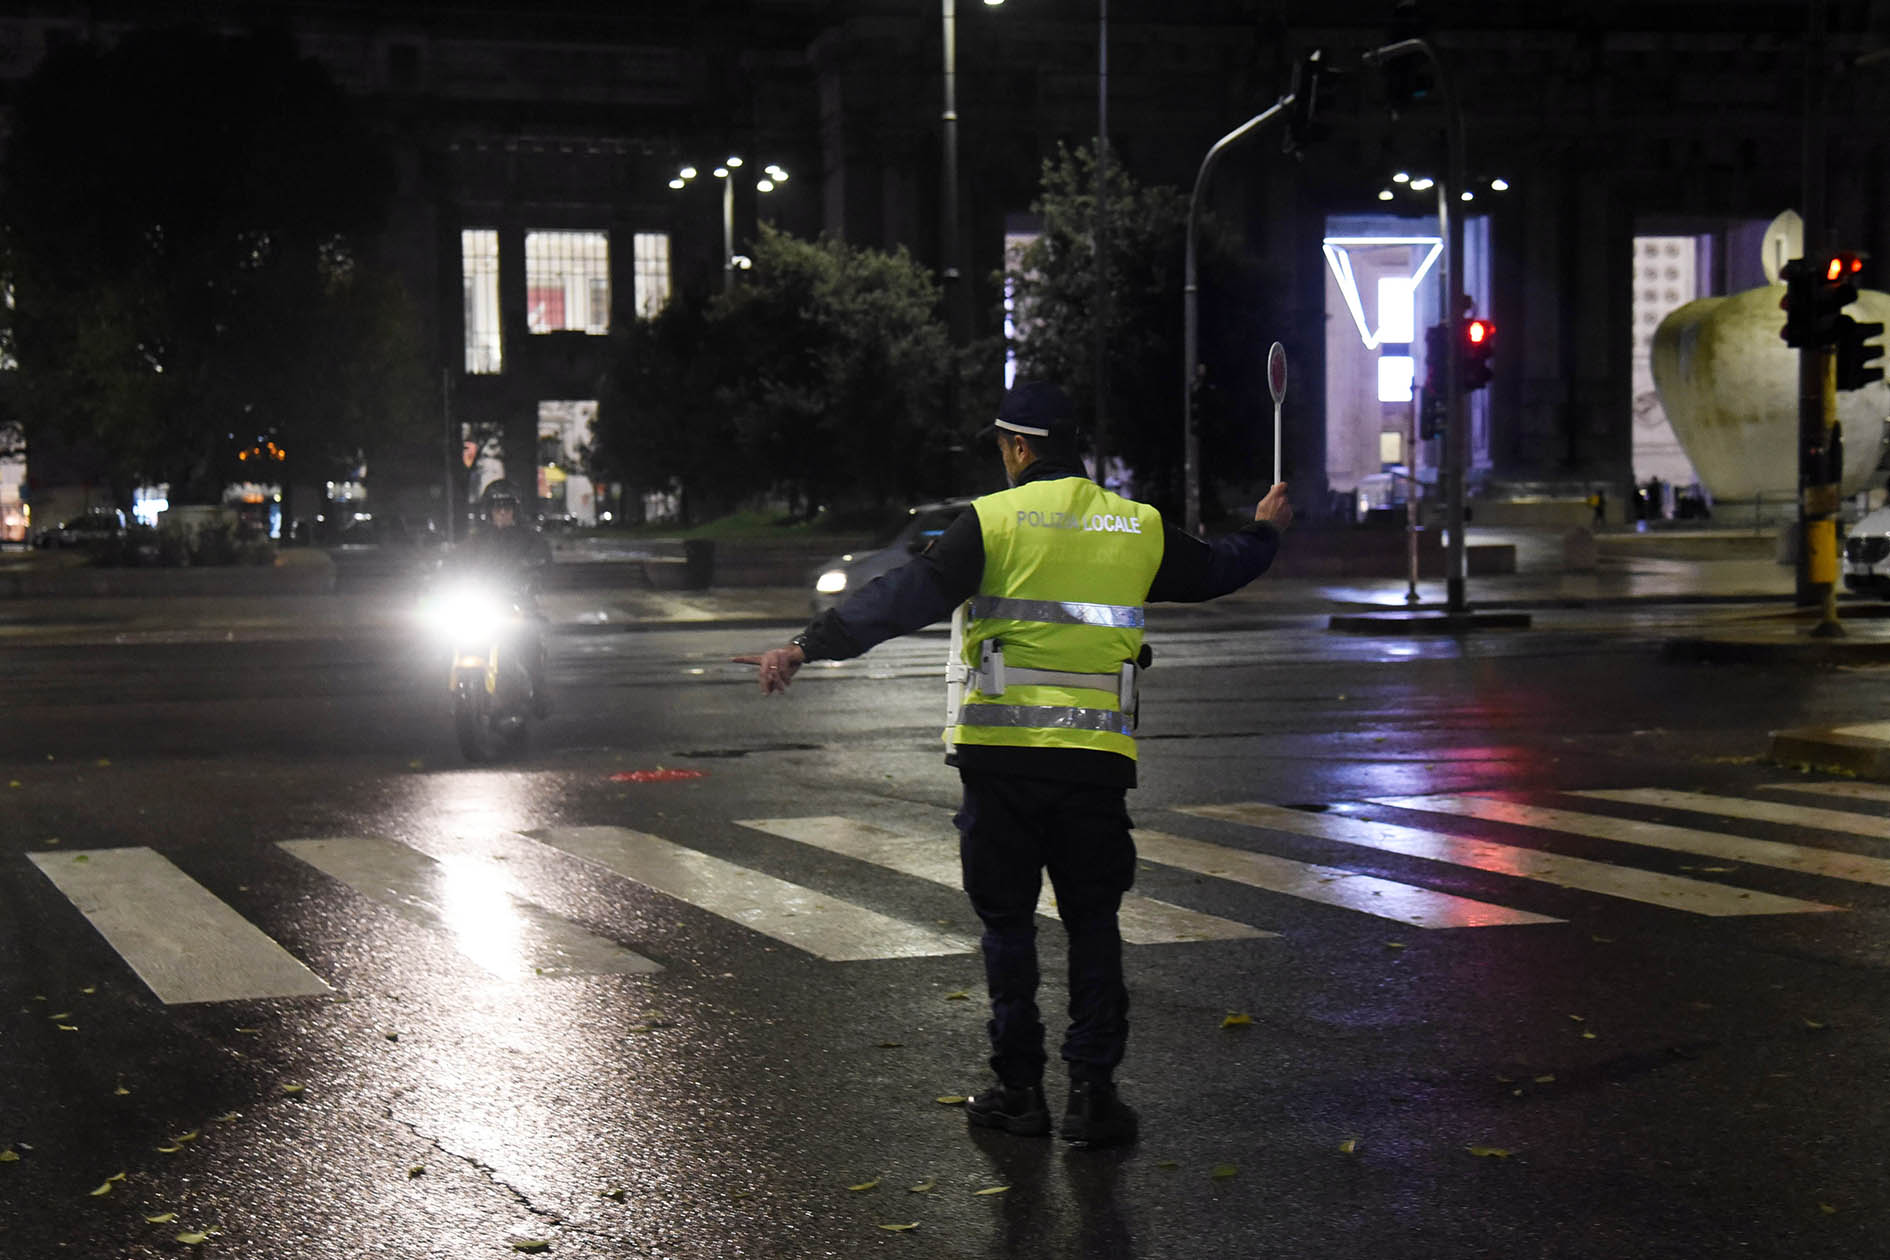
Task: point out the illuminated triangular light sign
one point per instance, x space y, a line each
1341 264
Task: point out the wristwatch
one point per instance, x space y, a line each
800 641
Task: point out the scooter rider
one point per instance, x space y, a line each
1048 579
503 549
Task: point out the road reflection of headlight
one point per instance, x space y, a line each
832 582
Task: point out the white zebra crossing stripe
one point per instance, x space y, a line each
184 943
1855 791
1328 885
467 901
824 926
1143 920
1788 857
1758 811
1629 883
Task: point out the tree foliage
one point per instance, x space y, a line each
1052 282
185 227
823 378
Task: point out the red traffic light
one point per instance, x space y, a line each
1478 331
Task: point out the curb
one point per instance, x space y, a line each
1835 750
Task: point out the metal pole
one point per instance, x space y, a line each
728 231
1456 430
948 212
1101 304
452 455
1411 485
1811 359
1191 487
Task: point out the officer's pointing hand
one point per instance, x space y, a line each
1274 509
776 667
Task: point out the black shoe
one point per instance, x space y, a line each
1018 1109
1096 1117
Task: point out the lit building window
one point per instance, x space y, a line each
652 272
479 268
1396 374
567 282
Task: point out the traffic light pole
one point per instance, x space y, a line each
1816 524
1450 227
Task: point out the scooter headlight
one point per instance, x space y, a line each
471 610
832 582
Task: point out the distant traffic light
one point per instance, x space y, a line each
1476 342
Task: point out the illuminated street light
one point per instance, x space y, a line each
775 176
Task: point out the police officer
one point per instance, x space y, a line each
1045 584
513 555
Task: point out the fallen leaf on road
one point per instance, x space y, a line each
194 1237
9 1156
951 1100
292 1089
1237 1020
416 1170
1349 1146
864 1185
615 1194
1813 1024
162 1218
1222 1172
228 1116
1577 1018
1489 1152
991 1190
104 1188
891 1045
962 995
1547 1078
1169 1163
1587 1035
1394 945
191 1136
68 1027
169 1150
532 1245
900 1229
922 1187
61 1015
103 761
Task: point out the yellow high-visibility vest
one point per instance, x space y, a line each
1046 655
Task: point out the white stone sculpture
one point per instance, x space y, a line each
1729 386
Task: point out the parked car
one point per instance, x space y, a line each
1867 554
842 575
98 527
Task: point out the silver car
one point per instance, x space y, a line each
842 575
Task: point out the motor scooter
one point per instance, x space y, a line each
489 629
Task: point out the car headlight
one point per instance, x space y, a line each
832 582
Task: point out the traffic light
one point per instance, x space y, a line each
1475 344
1436 362
1854 357
1408 79
1814 302
1310 74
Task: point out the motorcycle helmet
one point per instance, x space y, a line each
500 493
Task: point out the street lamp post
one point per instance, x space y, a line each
1190 446
772 176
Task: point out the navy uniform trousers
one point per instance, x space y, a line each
1011 830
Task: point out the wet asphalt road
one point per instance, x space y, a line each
1622 1077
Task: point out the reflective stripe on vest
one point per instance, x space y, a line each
1064 612
1056 618
1047 716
